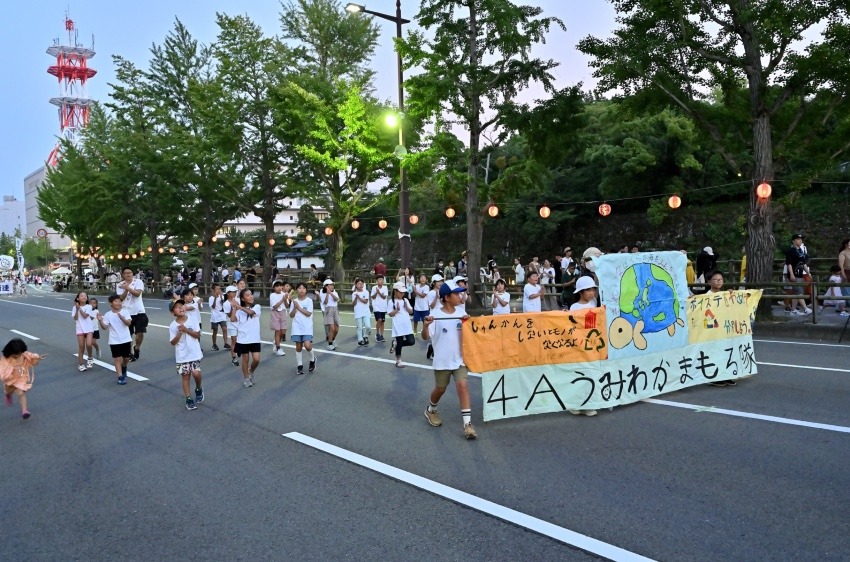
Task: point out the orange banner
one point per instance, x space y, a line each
542 338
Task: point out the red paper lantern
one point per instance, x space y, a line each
764 190
604 209
675 201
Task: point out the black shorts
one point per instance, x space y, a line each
139 324
243 348
96 334
380 315
121 350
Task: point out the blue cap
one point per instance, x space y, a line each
450 287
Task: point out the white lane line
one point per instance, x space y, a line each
517 518
802 343
25 335
806 367
110 367
649 400
739 414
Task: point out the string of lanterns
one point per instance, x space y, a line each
763 192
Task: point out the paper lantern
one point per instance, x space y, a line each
355 224
290 241
150 249
382 224
161 250
604 209
185 248
450 213
214 239
328 231
227 243
120 256
256 244
171 250
271 241
493 211
675 201
112 257
134 256
140 253
764 190
413 219
242 245
309 238
200 243
545 211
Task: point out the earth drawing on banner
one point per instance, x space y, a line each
645 296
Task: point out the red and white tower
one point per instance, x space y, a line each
72 72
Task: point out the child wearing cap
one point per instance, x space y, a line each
329 303
217 317
360 298
420 301
443 328
229 305
460 280
185 335
117 320
279 304
380 306
301 312
586 291
246 316
400 312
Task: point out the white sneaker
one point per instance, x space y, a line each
332 346
280 352
81 368
795 312
807 311
89 364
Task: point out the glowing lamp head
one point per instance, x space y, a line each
355 224
545 212
309 238
171 250
328 231
150 249
256 244
214 239
604 209
382 224
271 241
227 243
764 190
414 219
674 202
242 245
200 243
161 250
185 248
493 211
290 241
450 213
391 120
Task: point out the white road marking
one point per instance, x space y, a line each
517 518
316 348
790 366
739 414
110 367
802 343
25 335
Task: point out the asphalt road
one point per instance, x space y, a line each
341 464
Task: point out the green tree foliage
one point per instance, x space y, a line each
475 57
686 51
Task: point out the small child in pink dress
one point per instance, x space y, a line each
17 372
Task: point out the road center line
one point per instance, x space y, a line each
110 367
517 518
739 414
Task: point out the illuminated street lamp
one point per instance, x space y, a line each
403 196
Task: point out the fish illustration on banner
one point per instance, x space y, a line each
645 296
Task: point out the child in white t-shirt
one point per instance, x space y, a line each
500 300
82 315
380 305
117 320
185 335
832 292
420 301
586 291
218 319
246 316
301 312
360 298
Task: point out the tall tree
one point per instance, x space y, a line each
686 50
475 57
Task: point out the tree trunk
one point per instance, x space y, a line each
474 222
760 242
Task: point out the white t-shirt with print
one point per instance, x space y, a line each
302 325
361 309
134 305
193 310
217 310
421 303
248 326
528 304
500 309
83 325
402 324
380 298
187 348
118 331
445 338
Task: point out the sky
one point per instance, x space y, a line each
30 125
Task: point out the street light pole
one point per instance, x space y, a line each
403 198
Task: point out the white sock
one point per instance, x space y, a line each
299 358
312 355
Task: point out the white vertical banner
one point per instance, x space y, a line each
18 245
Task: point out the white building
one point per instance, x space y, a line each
286 221
32 183
12 215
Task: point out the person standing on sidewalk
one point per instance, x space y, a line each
796 267
448 359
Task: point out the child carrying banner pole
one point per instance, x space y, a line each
448 359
